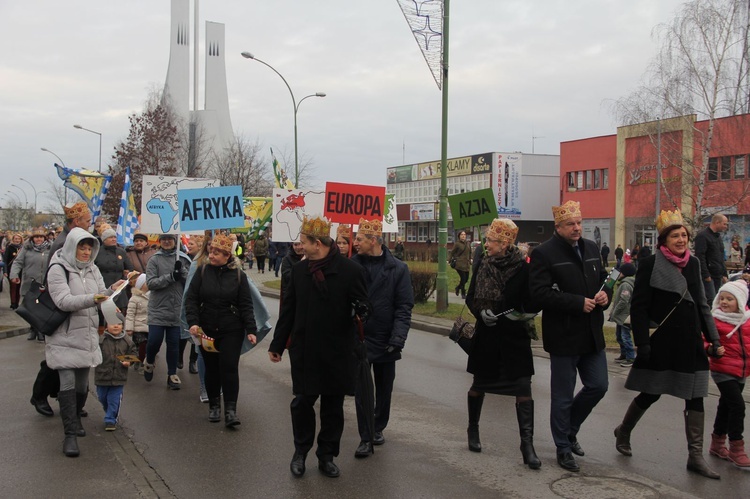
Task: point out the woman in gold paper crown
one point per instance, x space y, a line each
668 292
501 359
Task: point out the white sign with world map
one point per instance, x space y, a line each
159 208
289 206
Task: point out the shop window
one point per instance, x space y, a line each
713 169
739 167
726 168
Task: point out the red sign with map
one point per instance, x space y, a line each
347 203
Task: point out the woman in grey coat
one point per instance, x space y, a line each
76 286
30 265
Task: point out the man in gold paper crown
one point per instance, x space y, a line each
565 279
315 323
391 297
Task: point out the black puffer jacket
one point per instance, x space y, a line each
219 301
392 298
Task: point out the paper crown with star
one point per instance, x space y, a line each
370 227
502 229
668 219
315 227
570 209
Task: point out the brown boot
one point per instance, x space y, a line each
622 432
737 454
718 446
694 432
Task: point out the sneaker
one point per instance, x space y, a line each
620 358
173 381
148 371
203 396
110 427
627 362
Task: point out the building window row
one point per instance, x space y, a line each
727 168
587 180
427 191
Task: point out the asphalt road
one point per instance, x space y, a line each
166 447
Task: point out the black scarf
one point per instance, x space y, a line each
493 273
317 267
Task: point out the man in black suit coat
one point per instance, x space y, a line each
565 280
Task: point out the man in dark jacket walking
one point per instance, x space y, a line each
315 324
618 255
709 249
605 255
392 298
565 279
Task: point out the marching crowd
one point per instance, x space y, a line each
345 312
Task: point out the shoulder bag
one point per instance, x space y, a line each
39 310
462 332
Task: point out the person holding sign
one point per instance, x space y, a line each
501 359
565 279
218 305
76 286
118 351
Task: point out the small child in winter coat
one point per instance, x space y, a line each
620 311
110 376
136 320
730 371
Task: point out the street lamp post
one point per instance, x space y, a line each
26 206
55 155
100 143
35 194
295 104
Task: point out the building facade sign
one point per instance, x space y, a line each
507 184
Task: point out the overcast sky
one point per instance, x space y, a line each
518 68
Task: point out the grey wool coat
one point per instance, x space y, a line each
30 265
75 344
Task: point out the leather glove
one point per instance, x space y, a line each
488 317
644 352
714 348
177 273
392 349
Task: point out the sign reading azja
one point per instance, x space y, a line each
211 208
347 203
473 208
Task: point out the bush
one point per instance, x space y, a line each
423 281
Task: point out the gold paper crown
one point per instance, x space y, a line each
223 243
502 229
344 230
315 227
668 219
39 231
78 210
570 209
370 227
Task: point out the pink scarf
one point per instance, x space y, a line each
680 261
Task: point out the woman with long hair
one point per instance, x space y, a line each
461 253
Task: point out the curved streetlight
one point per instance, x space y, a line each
16 195
24 195
100 143
34 189
55 155
248 55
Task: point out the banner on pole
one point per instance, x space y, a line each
347 203
211 208
473 208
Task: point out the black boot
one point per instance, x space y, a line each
622 432
69 417
230 414
525 415
80 402
694 432
32 335
475 410
214 410
39 395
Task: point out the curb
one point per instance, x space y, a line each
10 333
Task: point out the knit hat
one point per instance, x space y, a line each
107 233
627 269
140 281
736 288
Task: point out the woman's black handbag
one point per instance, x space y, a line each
39 310
462 333
452 262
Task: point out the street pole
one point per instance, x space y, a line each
34 189
442 277
65 189
100 143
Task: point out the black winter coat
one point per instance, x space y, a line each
112 262
392 298
709 249
678 364
318 328
559 281
506 346
219 301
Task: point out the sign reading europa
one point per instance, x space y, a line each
347 203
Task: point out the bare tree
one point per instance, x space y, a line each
15 217
240 163
306 167
701 70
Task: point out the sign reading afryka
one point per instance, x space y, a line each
212 208
347 203
473 208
